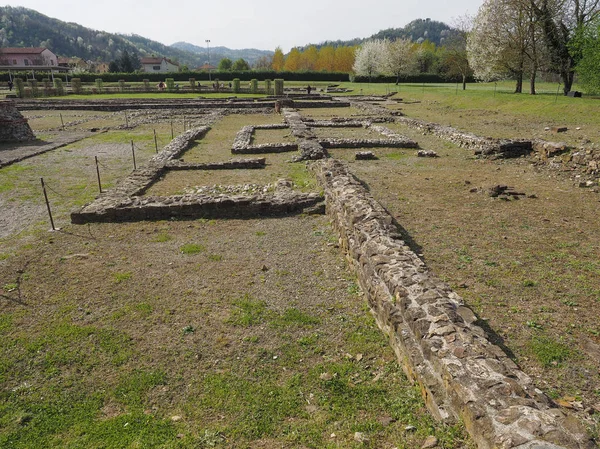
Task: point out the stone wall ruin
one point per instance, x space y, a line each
13 126
462 375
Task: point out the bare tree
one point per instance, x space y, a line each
454 56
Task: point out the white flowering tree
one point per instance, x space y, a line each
370 59
506 40
400 58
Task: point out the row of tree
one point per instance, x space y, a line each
518 38
403 57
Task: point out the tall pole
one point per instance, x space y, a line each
208 52
47 204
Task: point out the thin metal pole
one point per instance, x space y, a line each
63 122
133 154
557 89
47 204
126 120
98 173
155 142
172 135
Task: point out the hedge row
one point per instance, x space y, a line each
185 76
427 78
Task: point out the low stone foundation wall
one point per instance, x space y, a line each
310 148
242 141
583 161
201 206
462 375
234 164
481 146
124 203
266 148
367 143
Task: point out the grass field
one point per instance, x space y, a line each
254 333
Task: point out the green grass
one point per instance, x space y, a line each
248 311
549 352
192 248
163 237
293 316
493 97
121 277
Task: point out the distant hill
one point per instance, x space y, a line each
22 27
251 55
418 30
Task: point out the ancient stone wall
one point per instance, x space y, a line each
584 162
13 126
124 203
462 375
481 146
193 206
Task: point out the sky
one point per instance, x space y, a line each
258 24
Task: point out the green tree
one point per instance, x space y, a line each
129 63
225 64
587 45
126 63
240 65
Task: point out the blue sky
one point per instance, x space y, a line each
251 23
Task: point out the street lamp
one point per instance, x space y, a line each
208 51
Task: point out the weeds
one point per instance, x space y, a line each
548 351
192 248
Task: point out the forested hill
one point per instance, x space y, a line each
418 30
22 27
251 55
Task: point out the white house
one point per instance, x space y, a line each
159 65
27 58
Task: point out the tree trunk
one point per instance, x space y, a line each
532 78
567 77
464 82
519 86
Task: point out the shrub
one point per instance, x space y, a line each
254 86
236 85
47 86
76 86
146 85
193 84
19 87
278 87
58 85
170 84
99 85
34 88
268 87
121 85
